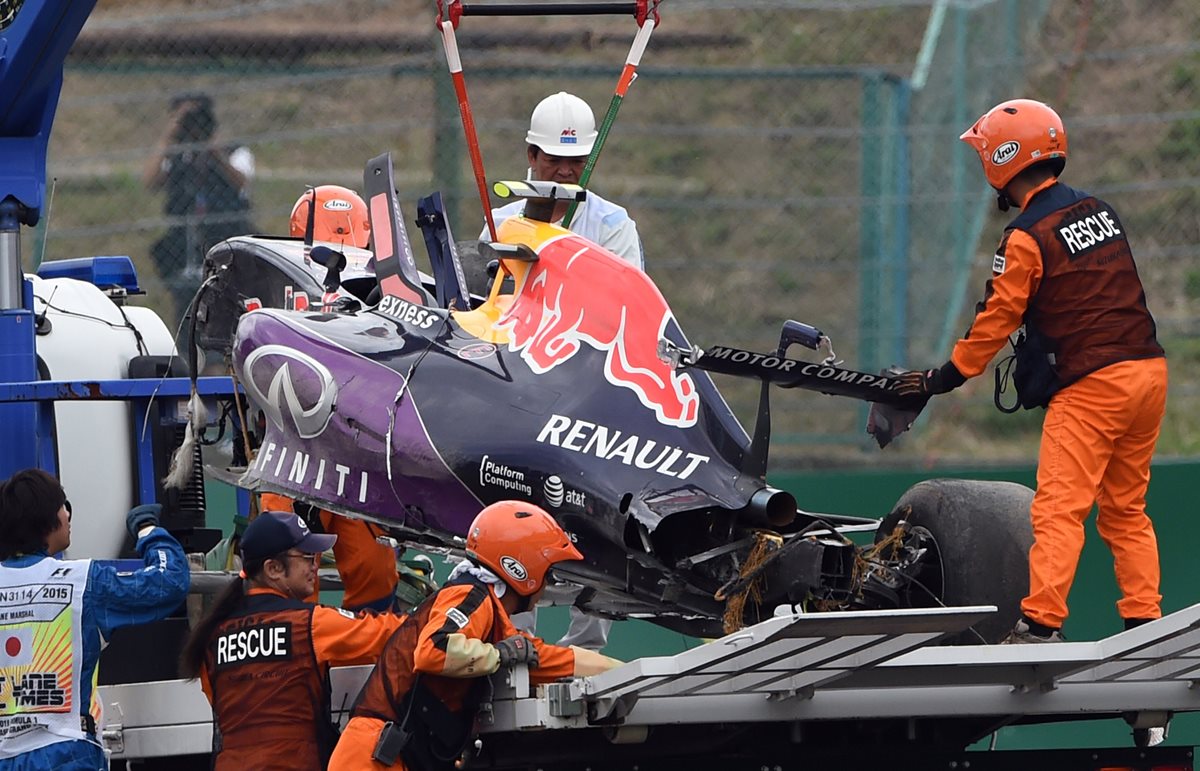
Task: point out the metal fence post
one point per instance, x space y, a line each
870 236
448 148
895 252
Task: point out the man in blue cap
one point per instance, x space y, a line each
263 654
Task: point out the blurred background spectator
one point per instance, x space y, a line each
207 189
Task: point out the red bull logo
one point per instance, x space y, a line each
576 294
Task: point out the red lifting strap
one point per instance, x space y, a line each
455 11
647 8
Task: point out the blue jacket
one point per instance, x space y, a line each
113 598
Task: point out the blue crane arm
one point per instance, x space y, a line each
35 36
32 49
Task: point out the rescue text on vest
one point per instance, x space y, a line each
1096 229
268 642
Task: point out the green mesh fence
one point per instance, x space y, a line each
782 159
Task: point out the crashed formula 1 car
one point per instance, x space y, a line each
571 385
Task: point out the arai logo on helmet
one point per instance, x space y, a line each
514 568
337 204
1005 153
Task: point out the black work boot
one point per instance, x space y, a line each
1133 623
1027 631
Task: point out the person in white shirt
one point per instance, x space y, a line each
207 186
562 131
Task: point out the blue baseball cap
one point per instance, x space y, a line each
274 532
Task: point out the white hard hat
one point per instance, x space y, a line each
562 124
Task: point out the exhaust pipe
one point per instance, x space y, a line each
769 508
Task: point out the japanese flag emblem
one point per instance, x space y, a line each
16 647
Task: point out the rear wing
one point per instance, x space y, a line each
892 413
826 377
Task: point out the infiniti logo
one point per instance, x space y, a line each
296 374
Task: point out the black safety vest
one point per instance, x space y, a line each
1090 305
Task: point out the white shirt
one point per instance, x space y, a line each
597 220
242 159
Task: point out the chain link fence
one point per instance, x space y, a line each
783 159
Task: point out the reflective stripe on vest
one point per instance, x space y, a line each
394 674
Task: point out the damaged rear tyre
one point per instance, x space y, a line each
970 545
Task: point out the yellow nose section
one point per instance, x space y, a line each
481 322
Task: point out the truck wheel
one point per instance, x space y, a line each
976 538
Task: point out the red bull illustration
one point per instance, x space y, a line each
578 293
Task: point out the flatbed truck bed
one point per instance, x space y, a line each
797 691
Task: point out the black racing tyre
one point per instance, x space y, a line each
980 534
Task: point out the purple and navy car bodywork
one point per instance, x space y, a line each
407 419
570 386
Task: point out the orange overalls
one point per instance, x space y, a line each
1064 265
367 567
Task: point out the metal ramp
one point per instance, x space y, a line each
1152 668
877 665
781 660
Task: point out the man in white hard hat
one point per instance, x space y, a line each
562 131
